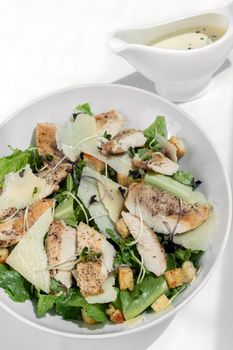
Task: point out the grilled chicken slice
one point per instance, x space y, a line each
12 229
5 214
60 249
125 139
46 142
111 122
157 163
92 272
161 209
180 146
148 246
53 176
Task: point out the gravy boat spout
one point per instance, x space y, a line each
179 75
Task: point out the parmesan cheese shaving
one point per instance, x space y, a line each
29 257
109 293
21 189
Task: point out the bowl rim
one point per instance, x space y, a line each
171 313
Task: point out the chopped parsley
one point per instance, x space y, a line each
106 135
92 199
35 190
48 157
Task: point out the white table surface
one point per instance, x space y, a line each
50 44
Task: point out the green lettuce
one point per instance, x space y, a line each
174 292
65 208
14 284
179 256
69 305
183 255
186 178
18 160
168 184
171 261
134 303
68 209
95 311
65 211
157 127
84 108
45 304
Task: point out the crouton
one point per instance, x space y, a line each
161 303
122 229
179 144
4 252
94 162
175 277
117 317
110 310
125 278
114 314
86 318
189 271
122 180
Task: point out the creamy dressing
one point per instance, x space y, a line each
189 38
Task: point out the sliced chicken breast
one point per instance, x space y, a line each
92 272
61 249
148 246
46 142
157 163
161 209
111 122
5 214
125 139
90 277
54 176
12 229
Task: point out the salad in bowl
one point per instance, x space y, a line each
98 222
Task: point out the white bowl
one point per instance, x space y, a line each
140 108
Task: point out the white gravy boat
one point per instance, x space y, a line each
179 75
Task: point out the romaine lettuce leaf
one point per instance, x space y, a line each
45 304
95 312
186 178
157 127
69 307
168 184
84 108
179 256
171 261
18 160
14 284
174 292
134 303
65 211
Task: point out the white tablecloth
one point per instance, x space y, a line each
50 44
